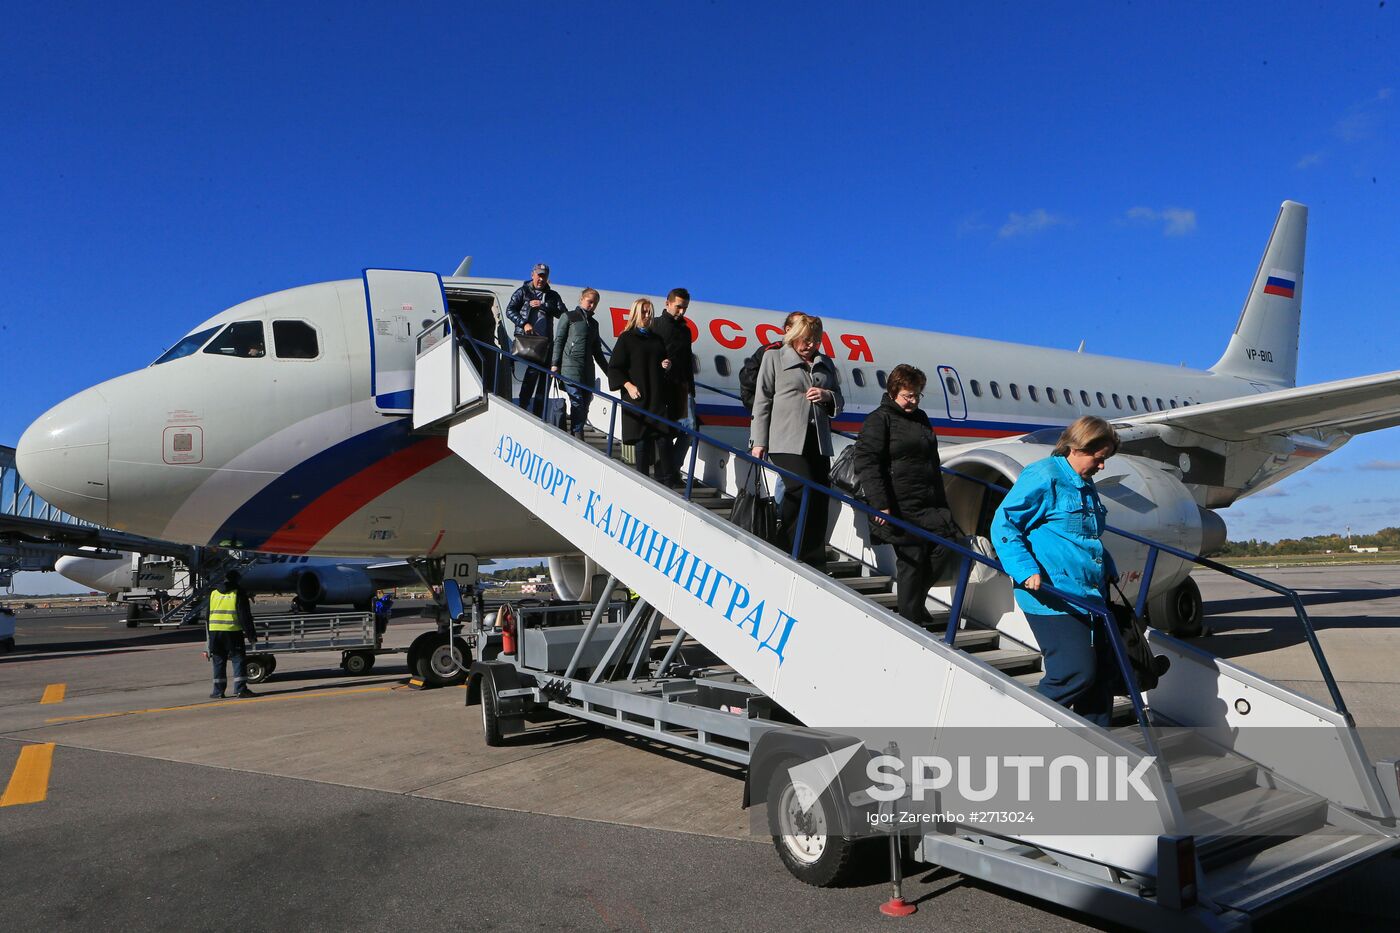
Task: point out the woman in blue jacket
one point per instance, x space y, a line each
1048 529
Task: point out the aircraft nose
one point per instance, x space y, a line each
63 456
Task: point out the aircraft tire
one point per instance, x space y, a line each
490 714
812 856
419 647
1180 612
436 665
259 667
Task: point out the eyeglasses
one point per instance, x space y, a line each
911 396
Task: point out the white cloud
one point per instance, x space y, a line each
1175 221
1380 465
1309 160
1362 120
1018 224
972 223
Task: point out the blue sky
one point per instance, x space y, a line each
1042 172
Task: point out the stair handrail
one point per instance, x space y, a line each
1156 547
967 555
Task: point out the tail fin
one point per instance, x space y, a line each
1264 348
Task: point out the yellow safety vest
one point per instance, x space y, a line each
223 612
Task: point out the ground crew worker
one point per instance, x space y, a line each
230 617
383 609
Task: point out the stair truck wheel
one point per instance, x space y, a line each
490 713
359 662
812 854
258 667
438 666
1179 612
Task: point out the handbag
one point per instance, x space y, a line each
754 509
981 573
1148 668
843 473
532 348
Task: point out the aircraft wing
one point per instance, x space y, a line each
1366 403
392 573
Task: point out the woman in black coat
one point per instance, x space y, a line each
896 458
638 368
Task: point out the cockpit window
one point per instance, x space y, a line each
186 346
241 338
294 340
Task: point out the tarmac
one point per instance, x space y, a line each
336 802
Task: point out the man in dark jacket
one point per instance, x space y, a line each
672 328
577 347
532 309
896 458
230 622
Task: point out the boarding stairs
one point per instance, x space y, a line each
1268 819
190 600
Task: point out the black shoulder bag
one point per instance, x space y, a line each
1148 668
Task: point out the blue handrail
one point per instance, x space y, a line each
809 488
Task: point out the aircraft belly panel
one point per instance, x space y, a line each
447 507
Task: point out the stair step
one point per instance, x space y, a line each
973 639
869 584
841 569
1202 773
1225 826
720 504
1168 740
1290 867
888 600
1009 659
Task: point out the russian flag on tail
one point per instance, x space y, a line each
1280 283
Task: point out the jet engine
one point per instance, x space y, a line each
572 576
335 586
1142 496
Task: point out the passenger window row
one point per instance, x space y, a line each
1012 390
1112 399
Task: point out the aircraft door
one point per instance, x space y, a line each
401 304
954 400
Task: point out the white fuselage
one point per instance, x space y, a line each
292 455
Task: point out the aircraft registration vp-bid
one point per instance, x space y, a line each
282 424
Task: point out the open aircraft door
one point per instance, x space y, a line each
953 398
401 304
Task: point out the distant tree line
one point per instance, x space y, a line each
1385 539
517 574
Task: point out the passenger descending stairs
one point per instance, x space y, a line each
1260 836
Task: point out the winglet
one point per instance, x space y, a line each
1264 347
465 269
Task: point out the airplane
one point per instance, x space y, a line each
313 581
282 424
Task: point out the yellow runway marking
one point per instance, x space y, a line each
30 781
53 693
218 703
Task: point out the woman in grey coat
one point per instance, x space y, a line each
797 395
577 346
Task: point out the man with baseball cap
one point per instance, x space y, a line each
533 309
